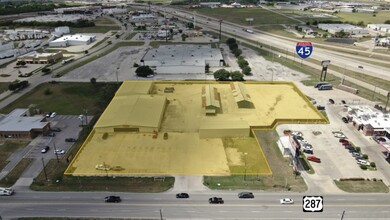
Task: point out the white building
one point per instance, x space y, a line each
385 28
142 17
112 11
6 50
72 40
63 30
347 28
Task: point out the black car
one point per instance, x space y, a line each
345 120
343 102
112 199
45 149
331 101
55 129
51 134
308 151
70 140
246 195
182 196
216 200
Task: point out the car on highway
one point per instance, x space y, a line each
45 149
114 199
286 201
246 195
59 152
216 200
314 159
360 67
182 196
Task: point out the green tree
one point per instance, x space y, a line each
144 71
242 62
230 41
46 70
117 36
246 70
183 37
221 75
233 47
237 52
93 81
237 76
387 22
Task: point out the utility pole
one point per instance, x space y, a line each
245 165
161 216
342 215
44 168
220 30
387 102
86 117
55 152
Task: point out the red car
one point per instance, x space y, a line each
343 141
314 159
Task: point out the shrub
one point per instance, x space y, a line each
47 91
372 164
144 71
358 149
246 70
237 52
363 167
365 156
135 65
105 136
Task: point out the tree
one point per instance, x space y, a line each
237 52
190 25
360 23
86 52
183 37
117 36
222 75
354 10
242 62
230 41
237 76
207 68
46 70
246 70
144 71
233 47
93 81
387 22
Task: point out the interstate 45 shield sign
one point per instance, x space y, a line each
304 49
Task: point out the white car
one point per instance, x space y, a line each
53 114
339 135
286 201
59 152
363 162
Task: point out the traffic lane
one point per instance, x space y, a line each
157 198
185 211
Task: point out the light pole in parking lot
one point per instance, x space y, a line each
55 152
245 165
44 168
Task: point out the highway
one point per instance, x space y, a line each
147 205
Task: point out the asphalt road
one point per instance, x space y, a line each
146 205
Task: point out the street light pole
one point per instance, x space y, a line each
245 166
55 152
44 169
220 30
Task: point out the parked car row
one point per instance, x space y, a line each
360 159
305 146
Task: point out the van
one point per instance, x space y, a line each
6 191
320 84
325 87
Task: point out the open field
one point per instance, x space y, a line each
104 21
276 29
95 29
282 178
362 186
65 98
238 15
7 148
15 173
186 149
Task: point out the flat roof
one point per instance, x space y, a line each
133 110
15 121
183 55
38 55
366 115
131 88
74 37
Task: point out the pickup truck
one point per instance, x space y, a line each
6 191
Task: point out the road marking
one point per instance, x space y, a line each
256 211
341 199
157 198
222 211
190 211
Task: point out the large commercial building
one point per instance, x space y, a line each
384 28
40 58
370 121
182 58
72 40
347 28
19 124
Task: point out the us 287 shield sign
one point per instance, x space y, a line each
304 49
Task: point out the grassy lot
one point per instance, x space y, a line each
238 15
7 148
104 21
282 178
96 56
95 29
100 42
3 86
276 29
380 17
15 173
362 186
131 35
65 98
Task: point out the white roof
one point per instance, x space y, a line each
15 121
75 37
363 114
37 55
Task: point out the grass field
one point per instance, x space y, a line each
95 29
282 178
275 29
7 148
65 98
362 186
380 17
238 15
3 86
15 173
104 21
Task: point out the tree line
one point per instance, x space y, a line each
78 24
16 7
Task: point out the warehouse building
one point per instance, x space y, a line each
20 125
40 58
72 40
385 28
182 58
211 100
347 28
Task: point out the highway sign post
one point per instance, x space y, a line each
304 49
